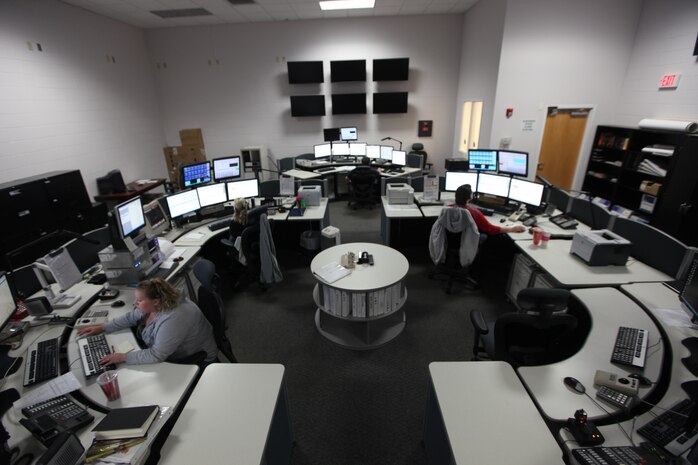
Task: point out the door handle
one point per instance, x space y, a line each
540 166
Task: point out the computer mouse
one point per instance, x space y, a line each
118 303
282 210
178 259
642 380
574 384
502 220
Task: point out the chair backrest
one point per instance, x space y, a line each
395 180
415 160
559 198
316 182
363 182
589 213
655 248
287 163
269 188
442 183
418 148
417 183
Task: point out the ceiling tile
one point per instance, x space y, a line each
386 10
308 14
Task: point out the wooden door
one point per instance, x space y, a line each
562 140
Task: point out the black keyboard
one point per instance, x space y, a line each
667 430
220 224
622 455
48 418
324 169
92 349
161 272
42 362
630 347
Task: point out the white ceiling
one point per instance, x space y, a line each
137 12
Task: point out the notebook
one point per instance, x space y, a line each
122 423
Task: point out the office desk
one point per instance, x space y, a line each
301 174
319 214
609 309
479 413
391 213
237 415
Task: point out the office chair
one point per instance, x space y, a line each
589 213
538 335
363 187
249 245
559 198
453 244
415 160
396 180
418 149
417 183
211 304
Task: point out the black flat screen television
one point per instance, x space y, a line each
348 70
305 72
390 102
348 104
308 105
391 69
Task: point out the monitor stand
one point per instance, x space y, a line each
8 363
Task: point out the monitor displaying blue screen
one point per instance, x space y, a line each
514 163
482 160
491 184
193 175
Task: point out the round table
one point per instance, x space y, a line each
364 309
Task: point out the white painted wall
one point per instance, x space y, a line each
561 52
244 100
663 45
67 107
483 28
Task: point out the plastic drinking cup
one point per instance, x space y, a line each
537 235
545 238
109 382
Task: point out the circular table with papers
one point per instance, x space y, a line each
362 310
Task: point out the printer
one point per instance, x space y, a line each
601 247
311 195
399 194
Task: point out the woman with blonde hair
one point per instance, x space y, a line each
171 327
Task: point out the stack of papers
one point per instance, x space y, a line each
332 272
649 167
661 150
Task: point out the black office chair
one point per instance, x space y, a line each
363 187
249 244
211 304
538 335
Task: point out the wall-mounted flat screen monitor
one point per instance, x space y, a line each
514 163
340 149
331 134
389 102
492 184
322 150
348 70
305 72
243 189
226 168
482 160
386 152
348 104
130 216
455 179
213 194
196 174
357 149
373 151
399 158
307 105
530 193
182 203
349 134
689 293
391 69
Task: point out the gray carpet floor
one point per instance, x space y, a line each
356 407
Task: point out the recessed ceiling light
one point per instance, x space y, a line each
346 4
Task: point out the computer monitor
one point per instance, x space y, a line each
322 150
514 163
373 151
386 152
530 193
455 179
226 168
341 149
399 158
689 293
348 134
7 302
182 203
357 149
243 189
130 217
196 174
491 184
155 217
482 160
213 194
331 134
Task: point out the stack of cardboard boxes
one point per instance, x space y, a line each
191 151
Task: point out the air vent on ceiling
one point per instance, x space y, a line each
182 13
241 2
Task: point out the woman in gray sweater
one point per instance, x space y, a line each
171 327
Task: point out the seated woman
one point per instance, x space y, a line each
464 194
172 327
239 221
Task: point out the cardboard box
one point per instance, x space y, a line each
649 187
177 156
192 137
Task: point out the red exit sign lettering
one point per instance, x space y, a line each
669 81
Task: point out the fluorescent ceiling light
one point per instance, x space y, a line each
346 4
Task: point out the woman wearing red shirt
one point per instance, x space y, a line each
463 196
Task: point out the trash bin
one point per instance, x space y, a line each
310 240
330 237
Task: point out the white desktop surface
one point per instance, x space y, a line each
228 416
406 171
570 270
301 174
400 211
483 402
390 266
315 213
609 309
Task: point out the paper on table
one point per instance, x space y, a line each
133 454
195 236
332 272
674 317
54 388
401 207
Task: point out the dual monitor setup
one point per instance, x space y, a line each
219 169
348 147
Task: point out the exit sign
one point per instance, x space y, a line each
669 81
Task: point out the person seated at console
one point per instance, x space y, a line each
239 221
364 167
172 327
464 195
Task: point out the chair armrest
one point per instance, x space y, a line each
478 321
227 242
